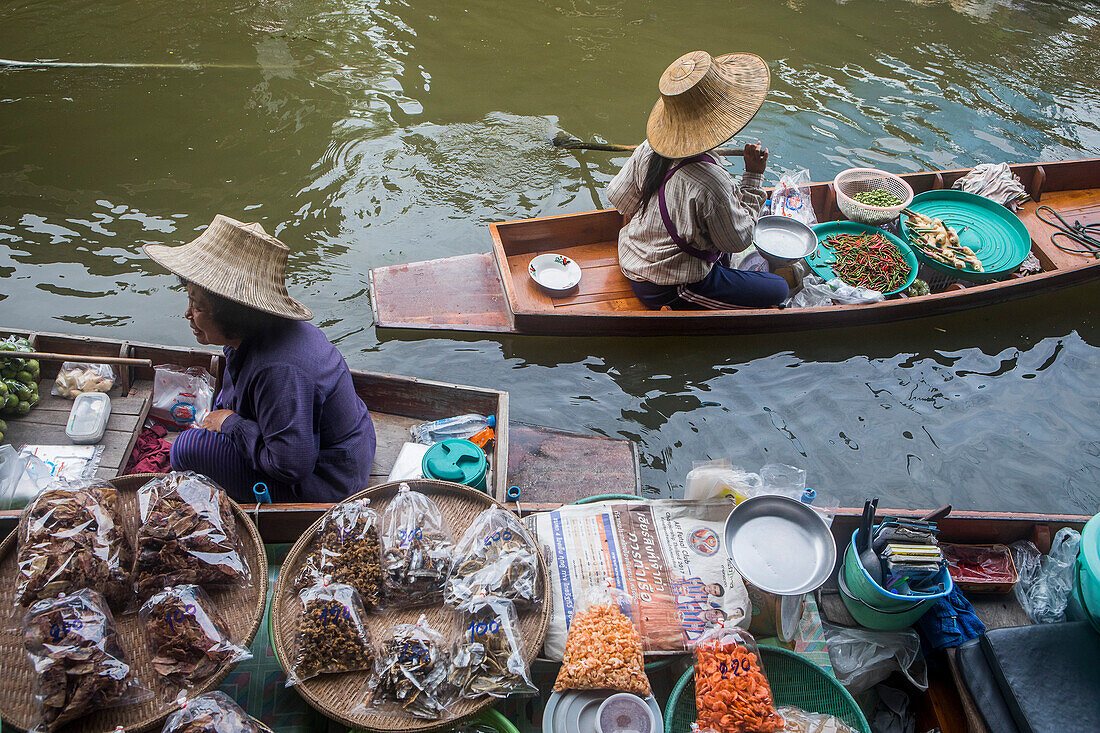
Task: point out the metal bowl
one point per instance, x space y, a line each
783 240
780 545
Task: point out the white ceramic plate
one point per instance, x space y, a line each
555 272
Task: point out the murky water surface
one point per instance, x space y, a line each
369 133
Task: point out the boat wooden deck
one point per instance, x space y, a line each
492 292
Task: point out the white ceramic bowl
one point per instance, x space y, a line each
557 273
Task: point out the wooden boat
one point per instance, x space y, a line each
575 462
492 292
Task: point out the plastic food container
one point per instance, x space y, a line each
458 460
88 417
625 713
980 568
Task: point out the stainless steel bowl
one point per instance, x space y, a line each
783 240
780 545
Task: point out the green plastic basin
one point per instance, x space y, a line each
821 255
1088 571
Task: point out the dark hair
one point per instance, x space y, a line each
654 176
721 591
234 319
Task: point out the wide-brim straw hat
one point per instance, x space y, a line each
237 261
706 101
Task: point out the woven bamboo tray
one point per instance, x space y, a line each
339 695
242 608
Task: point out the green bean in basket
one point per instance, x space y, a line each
877 197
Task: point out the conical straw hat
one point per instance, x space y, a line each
705 101
237 261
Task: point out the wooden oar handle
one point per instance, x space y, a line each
121 360
575 144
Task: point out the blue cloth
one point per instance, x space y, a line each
950 622
722 288
298 425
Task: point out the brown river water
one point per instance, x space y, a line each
370 133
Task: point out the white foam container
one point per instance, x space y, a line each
88 418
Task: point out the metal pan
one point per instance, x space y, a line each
780 545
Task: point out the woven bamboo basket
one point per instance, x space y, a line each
241 607
343 696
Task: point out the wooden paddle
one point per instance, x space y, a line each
121 360
572 143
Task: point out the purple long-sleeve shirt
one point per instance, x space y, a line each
297 417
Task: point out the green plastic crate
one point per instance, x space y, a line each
794 681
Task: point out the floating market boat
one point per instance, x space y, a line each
492 292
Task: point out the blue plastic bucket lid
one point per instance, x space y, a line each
458 460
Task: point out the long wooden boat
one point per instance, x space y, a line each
492 292
524 455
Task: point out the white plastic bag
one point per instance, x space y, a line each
181 397
792 197
75 378
720 478
862 658
1046 581
816 292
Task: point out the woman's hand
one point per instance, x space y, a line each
756 159
214 419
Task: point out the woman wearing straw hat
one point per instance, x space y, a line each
684 213
287 414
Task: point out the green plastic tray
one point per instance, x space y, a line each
821 255
997 236
794 681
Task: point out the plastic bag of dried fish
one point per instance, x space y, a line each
78 659
603 650
411 673
489 657
70 538
332 636
348 551
416 550
188 534
496 556
188 639
211 712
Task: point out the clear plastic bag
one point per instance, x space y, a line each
188 639
412 672
78 659
862 658
603 650
348 551
797 720
23 476
181 397
497 557
792 197
332 636
416 550
70 538
489 658
732 693
1046 581
75 378
188 534
817 293
212 712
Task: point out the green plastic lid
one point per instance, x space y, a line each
458 460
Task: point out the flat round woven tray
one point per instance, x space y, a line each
242 609
339 695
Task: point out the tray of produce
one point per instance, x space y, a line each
124 593
864 256
411 605
965 235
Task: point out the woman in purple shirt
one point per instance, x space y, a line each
287 414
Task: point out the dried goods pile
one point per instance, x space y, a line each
412 671
348 551
603 652
332 637
212 712
80 664
416 550
732 695
489 659
188 640
187 535
496 556
70 538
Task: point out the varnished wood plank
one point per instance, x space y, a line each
1081 205
597 254
555 465
529 296
602 279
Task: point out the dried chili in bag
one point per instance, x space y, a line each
78 659
332 637
416 550
732 694
498 557
188 534
603 650
188 639
212 712
70 538
348 551
412 672
489 657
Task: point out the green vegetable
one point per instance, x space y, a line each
11 401
3 392
25 377
3 427
23 407
34 368
918 288
877 197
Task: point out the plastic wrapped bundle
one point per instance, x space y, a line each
416 550
489 658
498 557
412 672
732 694
332 637
212 712
602 649
348 551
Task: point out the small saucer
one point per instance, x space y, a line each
557 273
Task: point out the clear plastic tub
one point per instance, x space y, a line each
88 418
